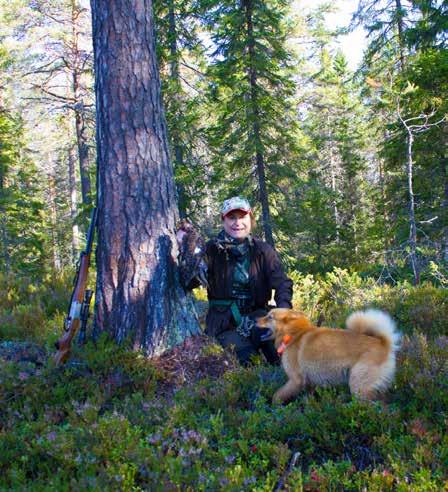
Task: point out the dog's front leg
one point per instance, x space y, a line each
288 391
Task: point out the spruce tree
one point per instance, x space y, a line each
181 64
22 218
251 88
417 195
333 211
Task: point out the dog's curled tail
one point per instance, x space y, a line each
377 324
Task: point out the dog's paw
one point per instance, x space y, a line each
277 399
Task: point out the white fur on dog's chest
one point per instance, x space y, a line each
286 363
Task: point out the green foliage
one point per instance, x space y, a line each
108 420
334 296
34 309
254 136
429 31
423 377
181 63
405 81
21 208
332 218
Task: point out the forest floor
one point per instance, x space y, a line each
194 420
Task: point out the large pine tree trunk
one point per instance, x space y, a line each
138 290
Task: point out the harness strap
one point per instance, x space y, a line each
233 308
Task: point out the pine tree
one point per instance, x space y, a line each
54 65
335 216
431 27
414 170
386 24
139 295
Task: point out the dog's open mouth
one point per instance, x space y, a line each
266 334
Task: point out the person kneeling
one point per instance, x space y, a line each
240 271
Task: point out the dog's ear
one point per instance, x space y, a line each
299 314
298 321
292 314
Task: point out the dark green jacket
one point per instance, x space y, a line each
265 275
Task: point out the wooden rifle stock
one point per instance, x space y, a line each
74 317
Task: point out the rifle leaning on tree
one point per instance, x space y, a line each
78 311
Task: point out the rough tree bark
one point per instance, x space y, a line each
138 291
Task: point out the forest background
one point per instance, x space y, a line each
353 167
347 171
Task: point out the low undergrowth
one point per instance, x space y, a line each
111 420
331 298
194 420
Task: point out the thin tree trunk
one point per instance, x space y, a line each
444 162
174 75
400 27
4 252
354 206
73 203
138 291
334 190
57 263
259 156
5 243
80 124
384 208
412 224
83 155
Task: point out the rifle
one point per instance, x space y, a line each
85 314
79 303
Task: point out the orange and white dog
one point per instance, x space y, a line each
362 355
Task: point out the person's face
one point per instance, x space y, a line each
237 224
